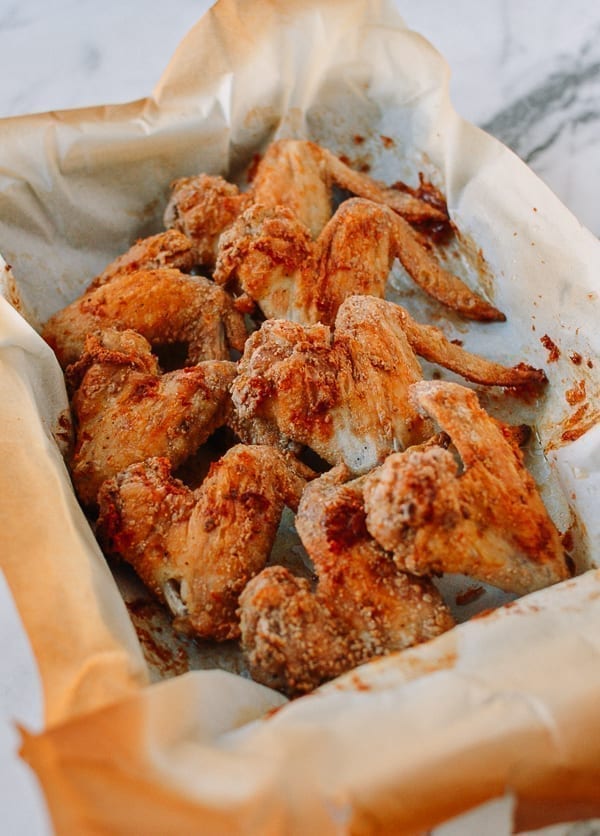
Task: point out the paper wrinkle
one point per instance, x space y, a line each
395 746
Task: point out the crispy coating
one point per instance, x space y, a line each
202 207
270 255
164 305
126 411
197 549
292 173
344 392
487 521
167 249
363 606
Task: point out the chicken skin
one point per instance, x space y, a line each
343 392
485 520
126 411
270 255
196 550
363 606
164 305
294 173
167 249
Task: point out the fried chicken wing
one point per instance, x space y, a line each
164 305
126 411
197 549
486 520
167 249
202 207
344 392
363 606
294 173
270 254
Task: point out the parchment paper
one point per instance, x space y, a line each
507 702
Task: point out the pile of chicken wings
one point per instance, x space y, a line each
260 315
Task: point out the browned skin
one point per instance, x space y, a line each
344 392
167 249
197 549
270 255
293 173
487 521
202 207
125 410
363 606
164 305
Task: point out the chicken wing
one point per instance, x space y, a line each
363 606
197 549
164 305
344 392
271 256
486 520
167 249
126 411
293 173
202 207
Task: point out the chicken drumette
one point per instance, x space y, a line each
270 255
363 606
167 249
197 549
484 518
344 392
294 173
126 411
164 305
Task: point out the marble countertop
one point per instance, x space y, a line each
529 73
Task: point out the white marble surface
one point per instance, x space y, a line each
528 72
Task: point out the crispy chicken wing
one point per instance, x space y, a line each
270 254
197 549
487 521
202 207
126 411
167 249
344 392
164 305
363 606
293 173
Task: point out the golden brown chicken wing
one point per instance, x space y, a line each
344 392
166 306
126 411
202 207
484 518
292 173
363 606
167 249
270 255
197 549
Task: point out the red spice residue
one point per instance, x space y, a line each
456 342
575 358
146 617
551 347
469 595
576 394
567 540
359 684
579 423
388 142
358 139
272 712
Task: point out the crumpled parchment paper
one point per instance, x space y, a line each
507 702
